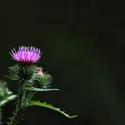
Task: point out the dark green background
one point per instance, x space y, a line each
83 44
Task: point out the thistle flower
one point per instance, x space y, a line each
27 55
42 80
40 72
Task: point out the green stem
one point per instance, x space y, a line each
30 95
19 107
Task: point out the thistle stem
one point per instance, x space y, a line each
19 107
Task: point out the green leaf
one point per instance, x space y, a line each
7 99
13 72
49 106
12 78
40 90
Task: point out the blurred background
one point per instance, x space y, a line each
83 44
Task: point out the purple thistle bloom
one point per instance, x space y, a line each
40 72
27 55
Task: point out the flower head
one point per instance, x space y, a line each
40 72
26 54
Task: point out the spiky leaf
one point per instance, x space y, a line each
7 99
13 72
40 90
49 106
5 94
